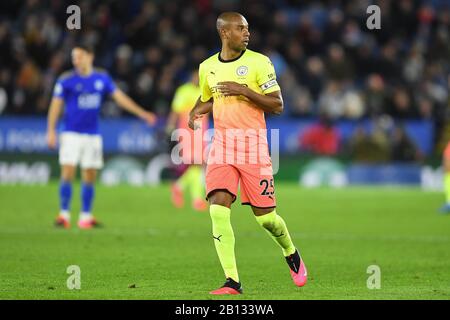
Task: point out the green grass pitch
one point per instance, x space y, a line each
149 250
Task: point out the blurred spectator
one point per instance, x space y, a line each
297 99
400 105
337 102
369 148
331 100
375 96
414 65
326 59
321 138
402 147
338 66
314 76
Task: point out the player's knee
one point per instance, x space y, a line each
89 176
262 211
68 174
221 198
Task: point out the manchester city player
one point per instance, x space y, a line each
81 92
240 85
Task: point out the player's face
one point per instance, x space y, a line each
239 35
81 59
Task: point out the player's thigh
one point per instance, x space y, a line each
257 187
70 148
92 152
222 182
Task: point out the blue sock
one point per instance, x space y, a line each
87 195
65 194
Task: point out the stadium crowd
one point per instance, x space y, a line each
327 61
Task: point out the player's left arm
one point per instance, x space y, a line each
270 102
126 103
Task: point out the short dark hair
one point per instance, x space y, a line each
86 47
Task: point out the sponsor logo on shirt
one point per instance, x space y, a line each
89 101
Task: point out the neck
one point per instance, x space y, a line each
85 71
229 54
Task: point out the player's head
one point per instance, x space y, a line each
82 57
233 30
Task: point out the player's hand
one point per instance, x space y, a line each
231 88
192 119
149 117
51 139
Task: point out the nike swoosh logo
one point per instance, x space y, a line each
217 238
281 234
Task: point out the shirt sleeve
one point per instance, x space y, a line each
205 91
110 86
58 90
266 77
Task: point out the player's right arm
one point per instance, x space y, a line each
54 112
52 118
200 109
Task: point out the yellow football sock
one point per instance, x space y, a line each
196 183
184 180
224 239
447 187
276 228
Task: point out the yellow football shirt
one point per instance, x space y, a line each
184 100
252 69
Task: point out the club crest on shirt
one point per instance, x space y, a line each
58 89
98 84
242 71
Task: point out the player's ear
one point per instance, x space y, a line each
224 33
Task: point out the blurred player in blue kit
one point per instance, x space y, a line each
80 92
